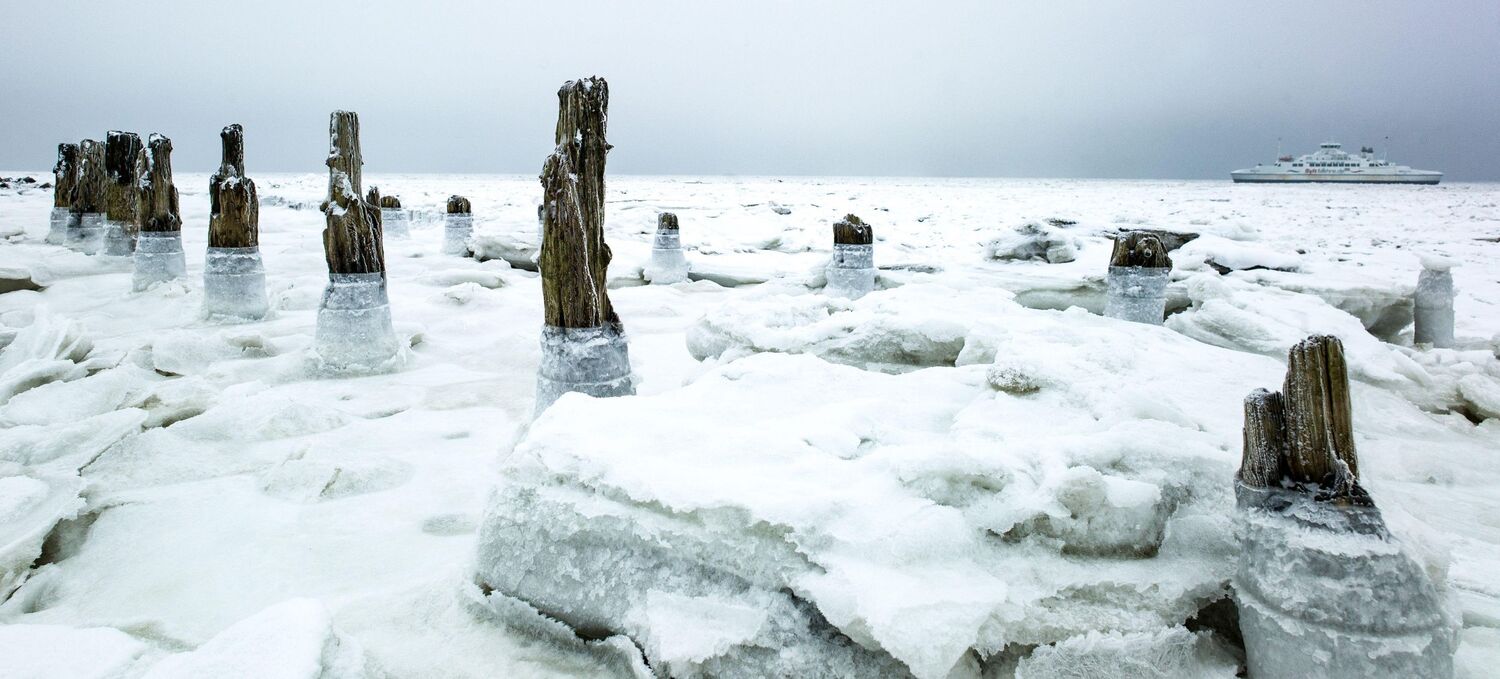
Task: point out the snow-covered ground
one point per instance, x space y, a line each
968 470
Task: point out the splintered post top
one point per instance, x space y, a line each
666 221
851 230
458 205
1138 248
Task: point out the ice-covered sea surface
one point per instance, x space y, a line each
967 471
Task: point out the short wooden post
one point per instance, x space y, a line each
64 182
851 269
234 278
158 251
124 160
354 321
1137 281
1322 587
1433 304
583 342
668 263
393 218
86 232
458 227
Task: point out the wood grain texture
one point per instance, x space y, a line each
352 239
158 209
65 175
851 230
1139 248
234 207
88 194
574 258
123 161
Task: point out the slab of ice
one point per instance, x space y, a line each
29 508
291 640
1034 240
62 652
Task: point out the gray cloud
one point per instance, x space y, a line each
1082 89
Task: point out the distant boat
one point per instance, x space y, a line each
1331 163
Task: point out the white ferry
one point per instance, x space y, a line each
1331 163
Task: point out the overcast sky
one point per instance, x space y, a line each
1020 89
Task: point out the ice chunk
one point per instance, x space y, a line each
1173 653
61 652
29 508
1034 240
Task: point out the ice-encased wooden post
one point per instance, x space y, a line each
158 251
124 161
234 278
393 220
1432 304
1322 587
86 229
1136 286
354 320
458 226
851 269
668 263
583 342
64 180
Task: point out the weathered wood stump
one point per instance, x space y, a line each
583 342
64 181
124 160
1432 319
234 278
1322 587
851 269
158 251
354 321
1136 286
458 227
86 232
668 263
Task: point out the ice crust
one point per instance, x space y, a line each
457 230
118 241
593 361
355 334
57 229
1173 653
851 271
88 236
158 259
234 284
395 222
1326 591
291 640
668 264
1137 294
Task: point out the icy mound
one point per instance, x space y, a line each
868 526
1224 255
61 651
291 640
913 326
1034 240
46 350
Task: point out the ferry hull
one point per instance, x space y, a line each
1267 178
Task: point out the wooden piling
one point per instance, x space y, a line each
158 209
65 175
352 241
851 230
458 205
123 153
1304 436
1139 248
390 202
574 257
234 207
88 193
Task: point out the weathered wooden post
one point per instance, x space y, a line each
393 220
1433 304
124 159
64 179
1137 280
158 252
234 279
1323 589
851 270
583 342
668 264
354 321
458 226
86 232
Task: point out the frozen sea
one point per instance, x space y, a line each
968 470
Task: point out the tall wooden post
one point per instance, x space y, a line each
124 159
1322 587
354 322
158 251
65 179
583 342
86 229
234 279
